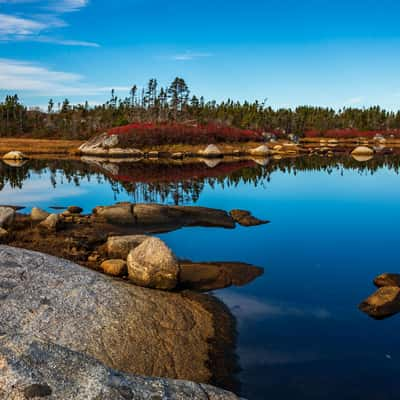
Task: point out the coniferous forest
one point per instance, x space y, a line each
176 104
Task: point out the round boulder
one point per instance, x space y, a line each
75 209
7 216
153 265
120 246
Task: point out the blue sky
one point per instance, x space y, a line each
319 52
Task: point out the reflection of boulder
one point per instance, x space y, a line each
125 327
15 163
15 155
261 151
261 161
362 151
211 163
44 369
362 158
384 303
218 275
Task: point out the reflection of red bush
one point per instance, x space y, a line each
157 173
351 133
173 133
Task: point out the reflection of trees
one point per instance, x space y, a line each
152 182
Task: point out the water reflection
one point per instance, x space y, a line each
177 182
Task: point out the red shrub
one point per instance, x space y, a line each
351 133
142 134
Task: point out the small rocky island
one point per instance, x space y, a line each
132 309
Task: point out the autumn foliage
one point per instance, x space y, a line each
351 133
147 134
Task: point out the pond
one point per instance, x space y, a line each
333 229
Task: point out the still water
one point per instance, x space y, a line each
334 227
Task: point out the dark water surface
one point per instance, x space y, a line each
334 227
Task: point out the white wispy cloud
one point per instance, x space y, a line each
354 101
37 25
189 56
26 76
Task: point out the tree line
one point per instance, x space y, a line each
157 104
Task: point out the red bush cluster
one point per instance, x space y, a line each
351 133
146 134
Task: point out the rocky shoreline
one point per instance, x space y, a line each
136 308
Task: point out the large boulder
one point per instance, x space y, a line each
106 145
384 303
15 155
153 265
43 369
7 216
126 327
120 246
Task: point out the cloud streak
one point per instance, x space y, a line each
19 25
29 77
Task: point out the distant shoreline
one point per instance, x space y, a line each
39 148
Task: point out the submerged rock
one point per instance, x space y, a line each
156 216
44 369
384 303
245 218
387 280
153 265
216 275
125 327
7 216
37 214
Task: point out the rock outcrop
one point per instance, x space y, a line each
125 327
156 217
31 368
